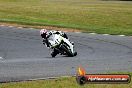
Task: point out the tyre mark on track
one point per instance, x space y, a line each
85 39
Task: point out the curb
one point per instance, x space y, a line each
65 31
35 79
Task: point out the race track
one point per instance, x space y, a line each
23 56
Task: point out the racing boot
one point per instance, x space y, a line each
54 53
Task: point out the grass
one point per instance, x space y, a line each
113 17
69 82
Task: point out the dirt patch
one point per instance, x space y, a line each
41 27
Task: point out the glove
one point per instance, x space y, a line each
44 41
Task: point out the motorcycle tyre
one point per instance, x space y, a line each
67 51
75 53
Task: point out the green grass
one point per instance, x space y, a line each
113 17
69 82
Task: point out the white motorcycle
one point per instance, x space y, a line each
61 46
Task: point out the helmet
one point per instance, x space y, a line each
43 33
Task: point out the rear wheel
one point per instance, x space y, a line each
53 54
69 53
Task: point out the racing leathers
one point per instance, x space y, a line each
45 40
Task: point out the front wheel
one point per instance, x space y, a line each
75 53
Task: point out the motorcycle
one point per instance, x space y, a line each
61 46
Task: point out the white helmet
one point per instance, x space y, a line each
43 33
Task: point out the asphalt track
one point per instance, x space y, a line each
23 56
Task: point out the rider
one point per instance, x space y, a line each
45 35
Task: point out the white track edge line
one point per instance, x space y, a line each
75 32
